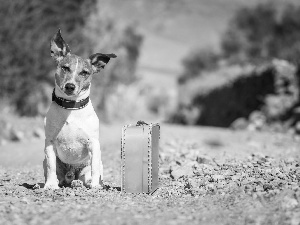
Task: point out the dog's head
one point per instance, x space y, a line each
73 73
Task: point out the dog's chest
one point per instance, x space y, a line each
72 143
72 133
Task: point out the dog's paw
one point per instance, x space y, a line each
76 183
51 185
91 184
70 177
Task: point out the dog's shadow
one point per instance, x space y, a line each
35 186
108 187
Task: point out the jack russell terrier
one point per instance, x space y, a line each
72 147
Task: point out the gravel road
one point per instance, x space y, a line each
207 176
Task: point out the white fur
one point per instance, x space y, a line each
72 136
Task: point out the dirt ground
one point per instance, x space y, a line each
207 176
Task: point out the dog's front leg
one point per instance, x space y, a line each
96 164
50 168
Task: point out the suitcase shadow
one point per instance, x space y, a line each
41 185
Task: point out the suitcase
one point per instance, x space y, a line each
139 158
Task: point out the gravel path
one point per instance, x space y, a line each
207 176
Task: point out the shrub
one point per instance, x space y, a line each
197 61
220 97
255 35
138 101
262 33
25 32
27 27
127 102
123 40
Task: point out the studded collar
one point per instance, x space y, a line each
69 104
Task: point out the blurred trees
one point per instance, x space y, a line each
27 26
26 29
197 61
263 33
253 35
109 36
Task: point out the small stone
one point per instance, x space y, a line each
276 170
24 200
239 124
5 129
257 120
218 177
3 142
219 161
267 187
182 171
221 185
257 155
188 185
203 160
36 186
235 178
164 176
210 186
38 133
254 195
71 193
295 220
289 203
194 183
202 183
39 191
259 188
191 164
16 135
297 127
289 160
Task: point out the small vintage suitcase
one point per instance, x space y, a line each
139 157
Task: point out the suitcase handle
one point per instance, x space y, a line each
140 123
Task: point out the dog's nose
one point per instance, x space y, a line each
70 87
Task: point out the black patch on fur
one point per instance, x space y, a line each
95 58
61 44
85 86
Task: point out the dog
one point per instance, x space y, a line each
72 147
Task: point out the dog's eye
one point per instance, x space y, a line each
66 68
84 73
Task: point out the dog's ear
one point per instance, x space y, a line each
59 48
99 60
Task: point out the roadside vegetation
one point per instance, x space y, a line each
218 88
27 70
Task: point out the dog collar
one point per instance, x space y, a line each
69 104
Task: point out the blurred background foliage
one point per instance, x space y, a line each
197 61
150 39
26 29
262 33
108 36
27 70
254 35
244 76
